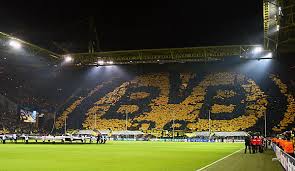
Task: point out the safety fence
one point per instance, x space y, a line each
177 140
287 161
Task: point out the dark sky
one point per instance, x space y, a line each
130 25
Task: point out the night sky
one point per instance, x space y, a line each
130 25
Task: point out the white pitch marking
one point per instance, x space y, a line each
219 160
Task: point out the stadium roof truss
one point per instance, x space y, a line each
274 35
31 49
190 54
271 23
279 25
287 25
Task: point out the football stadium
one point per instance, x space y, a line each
74 102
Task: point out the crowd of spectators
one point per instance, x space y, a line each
60 121
152 100
224 94
149 109
255 103
289 114
8 114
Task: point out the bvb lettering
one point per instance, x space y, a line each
155 111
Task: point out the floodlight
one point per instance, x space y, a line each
269 55
278 27
68 58
110 62
100 62
15 44
257 50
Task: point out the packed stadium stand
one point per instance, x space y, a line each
238 93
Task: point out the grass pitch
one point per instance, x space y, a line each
113 156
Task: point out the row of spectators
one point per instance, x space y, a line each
285 141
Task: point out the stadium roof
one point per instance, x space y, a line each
30 48
186 54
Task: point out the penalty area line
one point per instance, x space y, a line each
219 160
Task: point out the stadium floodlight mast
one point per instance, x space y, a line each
15 44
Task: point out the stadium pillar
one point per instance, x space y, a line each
65 125
126 121
37 122
95 122
209 123
173 129
53 125
265 124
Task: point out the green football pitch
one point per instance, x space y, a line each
116 156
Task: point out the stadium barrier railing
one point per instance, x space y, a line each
287 161
177 140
